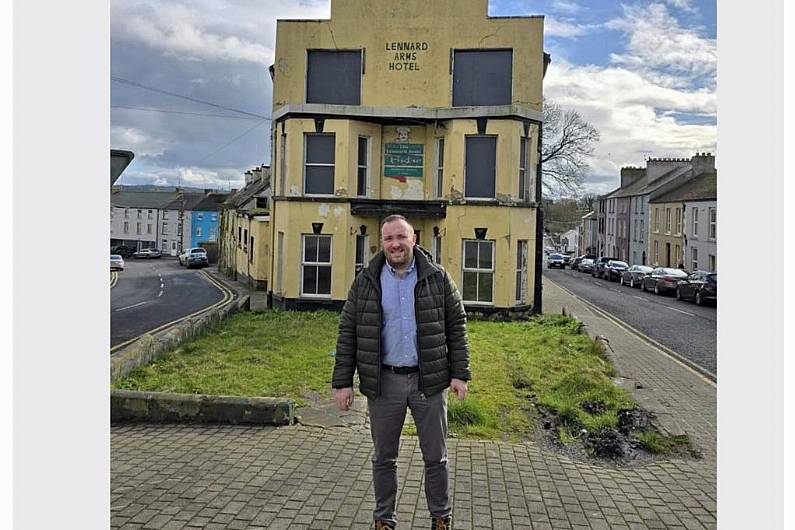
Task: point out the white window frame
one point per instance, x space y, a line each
317 264
359 265
332 165
138 227
694 217
198 231
667 220
126 227
713 263
478 271
713 223
678 225
164 231
694 258
521 271
640 239
436 249
439 169
365 166
524 184
148 228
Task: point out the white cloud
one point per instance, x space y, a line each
684 5
657 40
632 115
222 179
566 7
137 141
554 27
224 30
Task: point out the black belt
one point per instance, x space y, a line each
401 369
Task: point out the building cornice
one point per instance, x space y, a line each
518 112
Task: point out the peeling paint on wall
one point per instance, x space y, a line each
282 66
396 192
341 192
414 190
322 210
455 194
339 210
294 191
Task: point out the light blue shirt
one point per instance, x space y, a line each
399 331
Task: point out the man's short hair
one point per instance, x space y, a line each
396 217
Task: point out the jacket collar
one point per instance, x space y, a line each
422 260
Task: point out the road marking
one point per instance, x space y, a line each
675 309
638 297
131 306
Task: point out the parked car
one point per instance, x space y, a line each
575 264
599 265
116 262
586 265
122 250
614 269
662 280
183 258
567 259
147 253
699 286
633 275
556 260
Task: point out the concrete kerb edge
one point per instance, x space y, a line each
712 378
130 406
151 347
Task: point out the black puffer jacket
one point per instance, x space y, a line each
441 329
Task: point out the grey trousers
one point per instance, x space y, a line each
387 414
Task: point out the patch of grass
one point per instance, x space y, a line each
655 442
545 362
270 353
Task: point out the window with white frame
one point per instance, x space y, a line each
139 214
521 271
695 222
713 263
678 214
165 228
137 228
713 227
481 167
126 213
280 262
640 234
126 227
198 231
635 230
656 252
524 185
656 219
478 271
694 259
149 214
436 249
361 252
149 228
439 191
667 220
316 265
319 164
363 166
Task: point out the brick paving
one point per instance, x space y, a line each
304 477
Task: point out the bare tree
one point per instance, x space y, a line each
567 145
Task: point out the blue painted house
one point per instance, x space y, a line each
205 219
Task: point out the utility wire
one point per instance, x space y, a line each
233 140
183 112
139 85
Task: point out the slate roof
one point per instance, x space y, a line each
702 187
211 202
250 191
142 199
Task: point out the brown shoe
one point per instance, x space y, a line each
384 525
437 523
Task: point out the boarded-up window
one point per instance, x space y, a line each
482 77
481 166
319 164
334 77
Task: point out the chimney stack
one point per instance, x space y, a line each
703 163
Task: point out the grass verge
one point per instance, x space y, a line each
545 362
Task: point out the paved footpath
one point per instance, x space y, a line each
305 476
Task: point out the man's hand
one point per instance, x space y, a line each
459 387
343 397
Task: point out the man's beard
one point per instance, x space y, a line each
404 260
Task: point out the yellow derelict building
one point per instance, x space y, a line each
428 109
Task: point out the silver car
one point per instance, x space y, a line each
116 262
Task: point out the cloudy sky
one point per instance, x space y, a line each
191 94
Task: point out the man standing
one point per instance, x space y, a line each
403 328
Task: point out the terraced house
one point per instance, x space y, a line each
428 109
